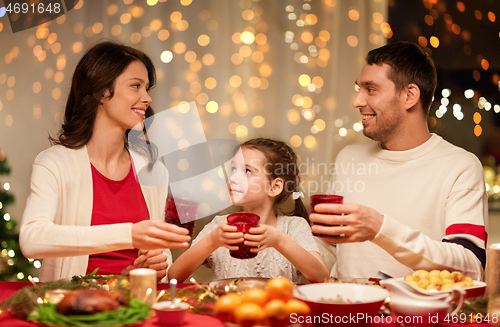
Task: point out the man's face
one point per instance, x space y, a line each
379 103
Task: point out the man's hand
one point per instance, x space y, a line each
349 223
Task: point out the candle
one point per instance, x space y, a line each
493 270
493 281
143 285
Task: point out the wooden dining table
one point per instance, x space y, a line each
7 319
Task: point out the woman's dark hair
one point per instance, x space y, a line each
409 64
94 75
281 163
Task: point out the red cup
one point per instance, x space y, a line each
182 212
243 222
325 198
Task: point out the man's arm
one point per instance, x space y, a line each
462 248
418 251
410 247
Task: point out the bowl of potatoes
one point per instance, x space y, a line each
443 281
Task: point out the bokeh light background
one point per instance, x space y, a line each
283 69
280 69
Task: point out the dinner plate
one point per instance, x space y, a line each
477 290
223 286
352 280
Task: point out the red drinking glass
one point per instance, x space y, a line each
325 198
182 212
243 222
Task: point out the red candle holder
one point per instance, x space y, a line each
243 222
182 212
325 198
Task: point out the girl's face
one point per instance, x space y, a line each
249 182
130 100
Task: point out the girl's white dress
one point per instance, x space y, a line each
269 262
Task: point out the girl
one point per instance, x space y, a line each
264 174
86 210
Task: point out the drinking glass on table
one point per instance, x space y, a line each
243 222
182 212
325 198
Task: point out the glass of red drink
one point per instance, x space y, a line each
325 198
243 221
182 212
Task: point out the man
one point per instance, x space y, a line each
411 200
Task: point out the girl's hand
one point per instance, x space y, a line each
153 259
225 235
263 237
158 234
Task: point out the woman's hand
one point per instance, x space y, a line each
225 235
263 237
158 234
153 259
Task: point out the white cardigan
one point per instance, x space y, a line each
56 220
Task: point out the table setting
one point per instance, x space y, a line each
245 302
135 298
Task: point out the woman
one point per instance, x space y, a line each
86 209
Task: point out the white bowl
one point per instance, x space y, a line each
413 312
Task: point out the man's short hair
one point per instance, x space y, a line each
409 64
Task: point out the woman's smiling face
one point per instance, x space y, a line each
127 107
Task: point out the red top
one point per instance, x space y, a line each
115 202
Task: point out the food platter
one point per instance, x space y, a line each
42 302
134 313
477 290
223 286
352 280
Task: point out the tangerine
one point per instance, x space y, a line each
255 295
249 314
280 288
298 307
276 309
225 305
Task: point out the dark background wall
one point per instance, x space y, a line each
467 57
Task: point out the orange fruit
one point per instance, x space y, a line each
275 309
249 314
255 295
225 305
280 288
298 307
